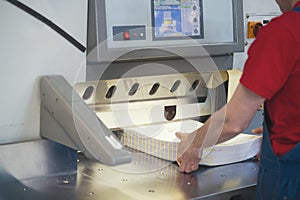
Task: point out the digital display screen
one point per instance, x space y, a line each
177 19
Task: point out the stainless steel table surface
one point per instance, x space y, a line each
145 178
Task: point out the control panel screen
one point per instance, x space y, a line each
177 19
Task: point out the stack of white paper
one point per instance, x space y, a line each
160 140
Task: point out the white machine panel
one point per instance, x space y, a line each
136 23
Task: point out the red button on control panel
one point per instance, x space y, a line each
126 35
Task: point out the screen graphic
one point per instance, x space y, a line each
174 19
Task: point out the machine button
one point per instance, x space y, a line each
257 28
254 28
126 35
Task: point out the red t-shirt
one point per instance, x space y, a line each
272 71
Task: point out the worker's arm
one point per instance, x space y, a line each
223 125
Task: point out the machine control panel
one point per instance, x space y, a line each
121 33
255 22
161 23
136 29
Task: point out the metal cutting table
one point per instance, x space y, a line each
133 181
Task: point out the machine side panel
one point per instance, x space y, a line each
52 130
80 123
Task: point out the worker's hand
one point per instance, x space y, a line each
188 153
258 130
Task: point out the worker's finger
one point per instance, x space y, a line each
179 135
182 167
195 166
188 168
258 156
258 130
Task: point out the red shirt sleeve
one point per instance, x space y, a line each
270 61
